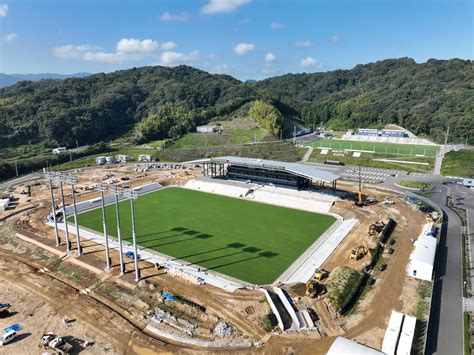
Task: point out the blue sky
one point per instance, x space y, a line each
244 38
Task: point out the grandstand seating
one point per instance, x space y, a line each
217 188
282 196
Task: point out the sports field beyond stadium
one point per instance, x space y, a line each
379 148
250 241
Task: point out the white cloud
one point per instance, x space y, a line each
70 51
270 57
244 21
222 6
276 26
169 17
166 46
309 62
335 39
172 58
3 10
223 68
10 37
135 45
243 48
116 57
303 44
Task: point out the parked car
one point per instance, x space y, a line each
7 337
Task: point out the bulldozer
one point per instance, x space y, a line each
358 253
320 274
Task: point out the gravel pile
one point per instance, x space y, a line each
224 330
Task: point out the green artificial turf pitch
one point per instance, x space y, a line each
380 148
250 241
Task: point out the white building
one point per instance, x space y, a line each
144 158
4 204
101 160
390 340
343 346
109 160
422 258
205 129
122 158
406 336
59 150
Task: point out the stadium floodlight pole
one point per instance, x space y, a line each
117 192
103 188
68 242
50 177
132 195
71 180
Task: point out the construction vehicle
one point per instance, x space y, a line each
376 228
358 253
56 343
313 288
320 274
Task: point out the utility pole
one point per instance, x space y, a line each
78 239
68 242
16 166
116 192
132 195
103 188
281 134
50 177
294 135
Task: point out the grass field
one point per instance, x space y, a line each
249 241
381 148
460 163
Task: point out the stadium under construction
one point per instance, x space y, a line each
298 175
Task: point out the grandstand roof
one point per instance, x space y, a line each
303 170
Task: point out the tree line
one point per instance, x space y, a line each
159 102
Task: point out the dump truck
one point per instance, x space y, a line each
56 343
358 253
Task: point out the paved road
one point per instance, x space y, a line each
445 334
19 180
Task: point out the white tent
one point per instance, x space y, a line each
343 346
422 258
406 336
390 340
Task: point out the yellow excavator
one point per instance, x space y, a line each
358 253
313 288
320 274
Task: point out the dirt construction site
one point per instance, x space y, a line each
99 311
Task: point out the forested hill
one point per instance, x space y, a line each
424 98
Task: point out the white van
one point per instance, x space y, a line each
7 337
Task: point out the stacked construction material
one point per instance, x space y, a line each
179 273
